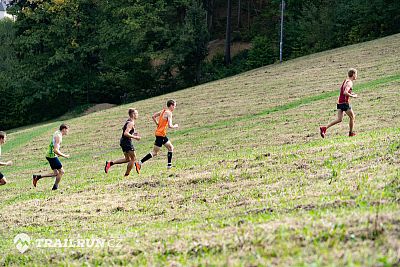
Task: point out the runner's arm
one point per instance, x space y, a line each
347 88
170 125
57 148
155 116
129 127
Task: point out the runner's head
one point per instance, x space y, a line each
352 73
133 113
3 137
64 128
171 104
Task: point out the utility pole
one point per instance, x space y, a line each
281 41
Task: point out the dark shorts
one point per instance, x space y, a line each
160 141
126 145
1 176
55 163
344 106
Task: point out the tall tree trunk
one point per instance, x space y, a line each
198 73
248 15
239 10
210 13
228 34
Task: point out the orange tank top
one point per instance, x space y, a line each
162 125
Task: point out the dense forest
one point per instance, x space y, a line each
57 55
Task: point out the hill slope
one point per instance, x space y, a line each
253 183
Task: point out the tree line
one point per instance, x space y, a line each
57 55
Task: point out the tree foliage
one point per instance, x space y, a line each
190 45
60 54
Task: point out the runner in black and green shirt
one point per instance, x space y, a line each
52 157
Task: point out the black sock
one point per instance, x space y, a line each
111 163
146 158
169 158
55 187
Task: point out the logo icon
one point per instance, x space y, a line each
22 242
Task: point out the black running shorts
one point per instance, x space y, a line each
55 163
344 106
126 145
160 141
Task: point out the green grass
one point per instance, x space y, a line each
253 183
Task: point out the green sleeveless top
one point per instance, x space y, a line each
50 151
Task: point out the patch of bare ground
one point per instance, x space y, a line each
98 107
217 46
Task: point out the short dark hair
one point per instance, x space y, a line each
351 72
170 103
2 134
131 111
63 126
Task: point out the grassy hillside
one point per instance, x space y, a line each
253 182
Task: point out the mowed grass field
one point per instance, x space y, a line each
253 183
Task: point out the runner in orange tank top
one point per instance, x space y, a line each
162 125
343 104
164 122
